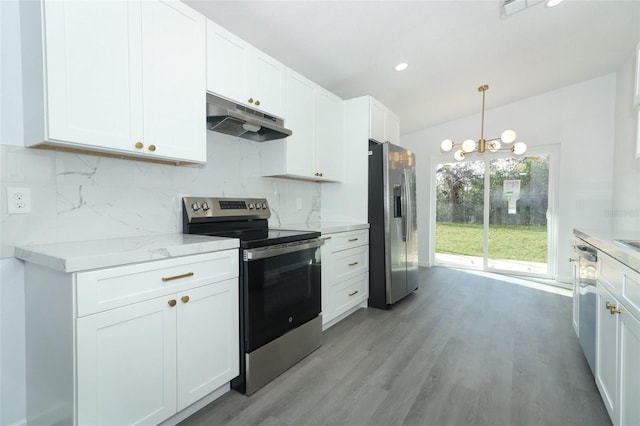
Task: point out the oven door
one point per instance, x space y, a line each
281 290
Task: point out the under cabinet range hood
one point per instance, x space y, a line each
233 119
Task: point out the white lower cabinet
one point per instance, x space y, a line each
345 274
137 362
618 340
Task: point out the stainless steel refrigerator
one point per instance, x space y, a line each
393 245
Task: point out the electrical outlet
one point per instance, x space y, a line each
18 200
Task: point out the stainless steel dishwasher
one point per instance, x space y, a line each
587 257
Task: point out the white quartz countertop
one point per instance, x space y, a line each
95 254
326 227
610 243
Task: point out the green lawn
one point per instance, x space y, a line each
527 243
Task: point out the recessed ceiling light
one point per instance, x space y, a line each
552 3
401 66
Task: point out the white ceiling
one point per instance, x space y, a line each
452 47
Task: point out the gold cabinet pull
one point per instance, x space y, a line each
139 145
353 264
354 293
257 102
614 310
152 148
184 299
177 277
352 240
172 302
250 100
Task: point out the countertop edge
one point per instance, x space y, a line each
71 257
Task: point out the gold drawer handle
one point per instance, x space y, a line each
184 299
353 294
177 277
139 145
152 148
614 310
172 302
352 240
250 100
353 264
257 102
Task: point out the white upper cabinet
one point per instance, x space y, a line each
125 78
315 149
242 73
384 125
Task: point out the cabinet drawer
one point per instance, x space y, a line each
345 240
350 293
104 289
349 263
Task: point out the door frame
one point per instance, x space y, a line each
553 150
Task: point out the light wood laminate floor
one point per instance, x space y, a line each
462 350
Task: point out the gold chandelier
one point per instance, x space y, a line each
493 145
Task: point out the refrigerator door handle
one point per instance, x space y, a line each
403 196
408 202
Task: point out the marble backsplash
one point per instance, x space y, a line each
84 197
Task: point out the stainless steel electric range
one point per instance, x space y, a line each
280 319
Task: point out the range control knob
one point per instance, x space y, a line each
251 206
264 205
195 206
205 206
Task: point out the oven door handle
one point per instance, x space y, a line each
278 250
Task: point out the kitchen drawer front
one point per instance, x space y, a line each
630 295
345 240
610 273
109 288
350 293
349 263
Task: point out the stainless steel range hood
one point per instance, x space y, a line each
230 118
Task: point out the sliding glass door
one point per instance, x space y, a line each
491 214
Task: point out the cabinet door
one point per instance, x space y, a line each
208 341
576 298
266 83
327 278
629 372
392 128
93 73
227 63
376 121
173 47
607 351
300 119
126 365
329 142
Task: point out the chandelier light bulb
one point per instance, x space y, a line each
446 145
519 148
469 145
508 136
494 146
459 155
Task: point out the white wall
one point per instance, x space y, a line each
579 118
625 212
